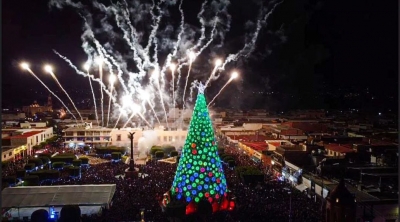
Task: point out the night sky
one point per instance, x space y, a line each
312 54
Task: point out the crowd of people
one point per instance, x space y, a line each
272 200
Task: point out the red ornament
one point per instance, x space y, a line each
218 180
176 189
210 199
193 145
194 151
207 194
210 174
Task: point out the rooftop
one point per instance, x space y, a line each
249 138
73 129
25 135
338 148
41 196
259 146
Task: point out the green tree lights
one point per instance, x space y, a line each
199 174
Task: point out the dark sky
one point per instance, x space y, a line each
330 47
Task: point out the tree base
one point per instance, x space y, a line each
177 208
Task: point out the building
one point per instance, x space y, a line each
338 150
34 108
101 136
340 205
12 116
13 152
19 143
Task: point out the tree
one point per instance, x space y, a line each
159 154
199 175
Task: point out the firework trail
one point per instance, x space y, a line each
155 47
192 56
195 85
86 75
156 79
116 123
62 88
101 94
217 64
234 75
94 98
122 111
155 114
248 48
145 99
112 80
34 75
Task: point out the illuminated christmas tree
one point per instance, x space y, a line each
199 175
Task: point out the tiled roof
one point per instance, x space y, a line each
249 138
259 146
339 148
25 135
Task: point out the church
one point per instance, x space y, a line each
34 108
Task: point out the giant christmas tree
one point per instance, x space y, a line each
199 175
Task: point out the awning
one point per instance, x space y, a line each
40 196
301 187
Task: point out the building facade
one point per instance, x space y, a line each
34 108
80 136
19 143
